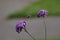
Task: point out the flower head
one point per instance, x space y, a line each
42 13
20 25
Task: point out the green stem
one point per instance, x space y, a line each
45 28
29 34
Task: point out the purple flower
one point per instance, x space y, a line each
42 13
20 25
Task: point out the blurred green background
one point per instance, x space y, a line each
53 7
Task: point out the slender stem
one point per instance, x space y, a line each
45 28
29 34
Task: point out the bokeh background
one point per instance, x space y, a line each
22 8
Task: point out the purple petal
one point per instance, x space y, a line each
42 13
20 25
